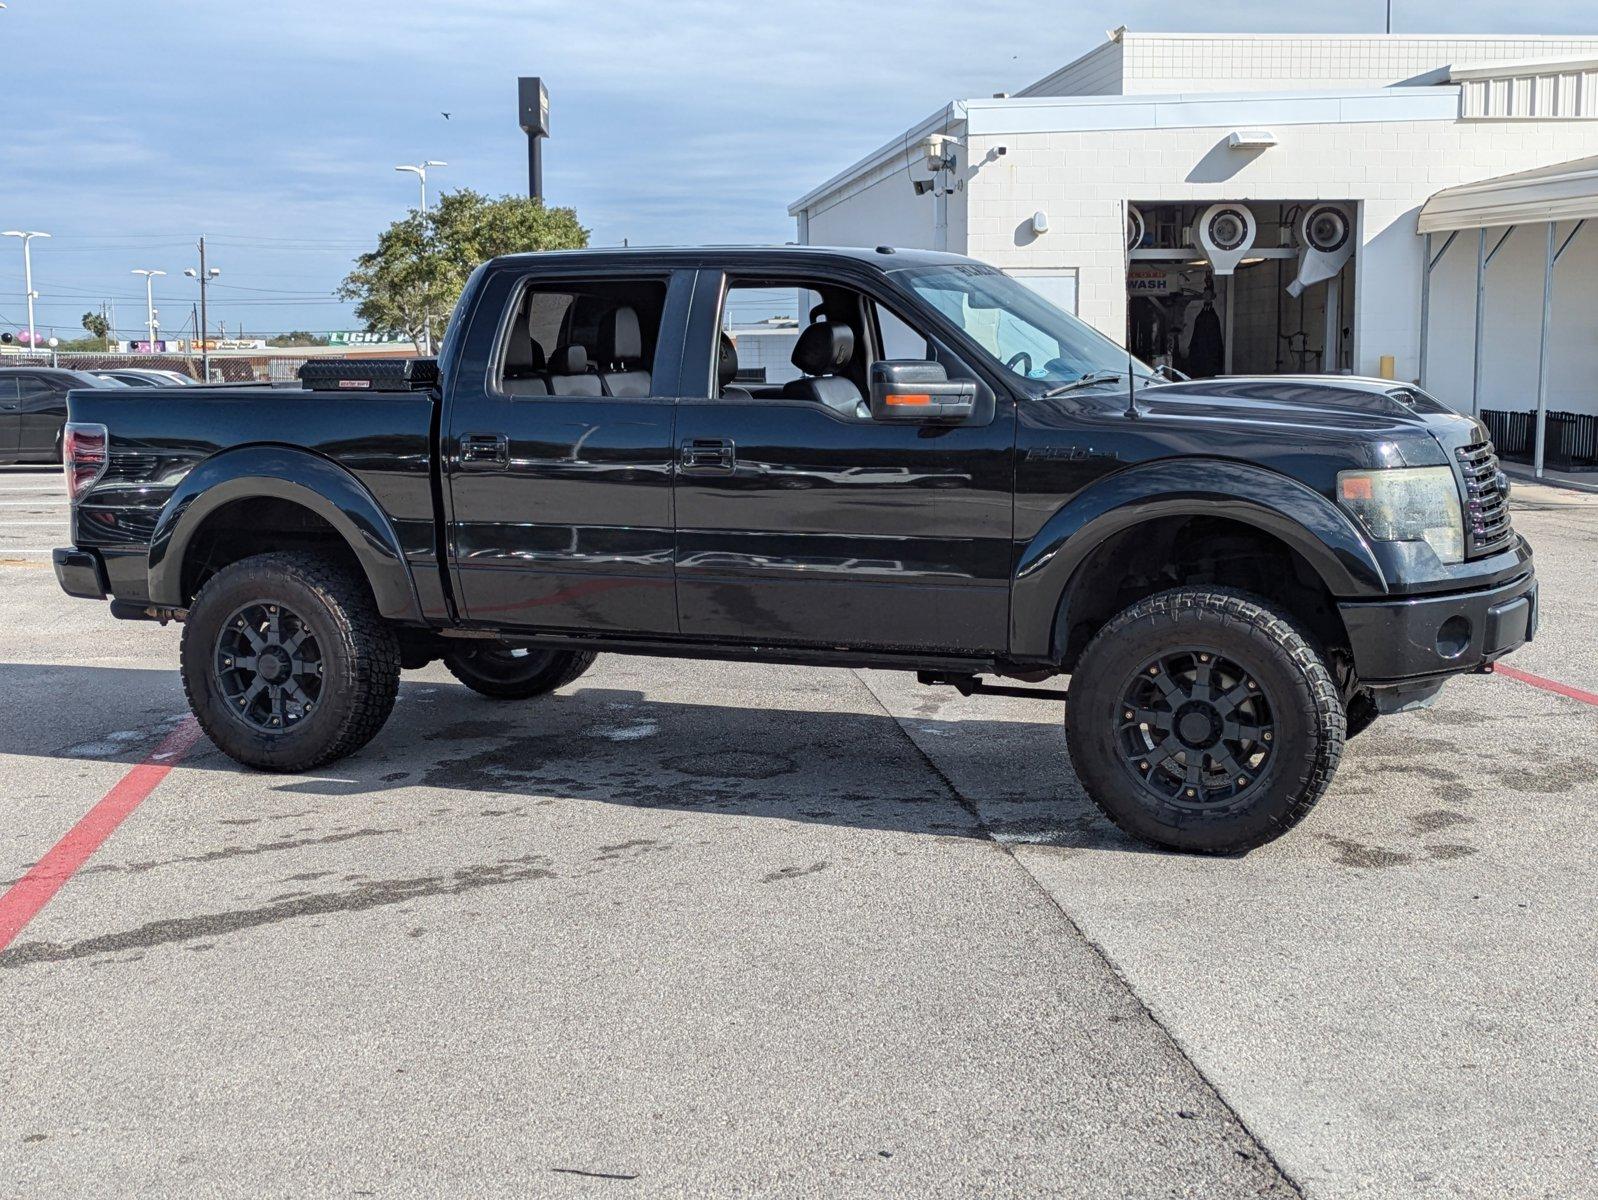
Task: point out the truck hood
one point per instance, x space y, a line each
1396 423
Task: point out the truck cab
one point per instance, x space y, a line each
955 478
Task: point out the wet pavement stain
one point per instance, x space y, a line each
1444 851
733 764
1438 819
1356 854
472 731
365 896
793 872
331 839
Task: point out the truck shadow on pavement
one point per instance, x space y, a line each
613 746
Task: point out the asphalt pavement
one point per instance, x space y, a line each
713 929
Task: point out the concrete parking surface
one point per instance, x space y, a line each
704 929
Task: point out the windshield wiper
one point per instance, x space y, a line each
1088 380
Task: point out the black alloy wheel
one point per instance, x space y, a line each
269 666
1196 728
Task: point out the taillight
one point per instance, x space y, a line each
85 453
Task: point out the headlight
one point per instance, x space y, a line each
1407 504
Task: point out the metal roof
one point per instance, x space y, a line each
1565 191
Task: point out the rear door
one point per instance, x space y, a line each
805 523
10 416
42 402
559 504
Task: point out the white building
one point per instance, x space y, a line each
1040 183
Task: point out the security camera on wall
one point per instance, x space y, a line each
1226 233
1326 241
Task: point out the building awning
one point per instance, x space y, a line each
1562 192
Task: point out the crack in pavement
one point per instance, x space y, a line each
1099 951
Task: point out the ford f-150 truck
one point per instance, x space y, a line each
955 478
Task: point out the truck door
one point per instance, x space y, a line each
799 518
557 451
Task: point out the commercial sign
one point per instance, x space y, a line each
363 337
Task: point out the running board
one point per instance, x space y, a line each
970 685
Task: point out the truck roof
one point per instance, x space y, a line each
882 258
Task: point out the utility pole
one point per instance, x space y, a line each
27 276
205 276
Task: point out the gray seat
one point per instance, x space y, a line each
727 371
621 354
821 352
569 374
524 367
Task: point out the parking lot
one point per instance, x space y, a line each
708 929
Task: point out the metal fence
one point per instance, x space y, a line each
1572 438
232 368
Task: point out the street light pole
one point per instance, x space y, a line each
27 274
420 171
204 276
149 301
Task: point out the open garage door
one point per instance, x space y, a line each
1241 288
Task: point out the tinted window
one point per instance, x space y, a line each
34 387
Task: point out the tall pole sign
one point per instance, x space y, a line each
533 100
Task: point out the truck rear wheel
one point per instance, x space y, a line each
1203 719
287 663
516 672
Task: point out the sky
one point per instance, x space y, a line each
274 128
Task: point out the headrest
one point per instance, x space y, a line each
569 360
619 338
823 348
726 362
523 356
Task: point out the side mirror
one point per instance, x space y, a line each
912 391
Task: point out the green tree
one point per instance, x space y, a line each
297 337
98 327
422 262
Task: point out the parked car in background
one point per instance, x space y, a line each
145 377
33 408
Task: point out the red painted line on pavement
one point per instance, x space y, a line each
33 891
1547 685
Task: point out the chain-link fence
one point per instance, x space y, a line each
232 368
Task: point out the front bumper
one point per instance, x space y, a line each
1410 639
80 573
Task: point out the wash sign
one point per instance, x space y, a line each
362 337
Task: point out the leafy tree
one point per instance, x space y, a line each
422 262
98 327
297 337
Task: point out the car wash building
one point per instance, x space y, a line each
1251 203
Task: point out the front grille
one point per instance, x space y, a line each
1487 528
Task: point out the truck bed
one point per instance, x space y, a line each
159 436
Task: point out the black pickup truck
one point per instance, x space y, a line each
957 479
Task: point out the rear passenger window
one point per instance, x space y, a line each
567 338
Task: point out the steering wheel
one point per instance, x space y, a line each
1017 357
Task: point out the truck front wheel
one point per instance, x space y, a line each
515 672
287 663
1203 719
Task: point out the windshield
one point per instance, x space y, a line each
1026 334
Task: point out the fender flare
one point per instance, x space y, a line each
1271 502
300 477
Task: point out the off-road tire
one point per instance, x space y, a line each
496 671
359 654
1309 724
